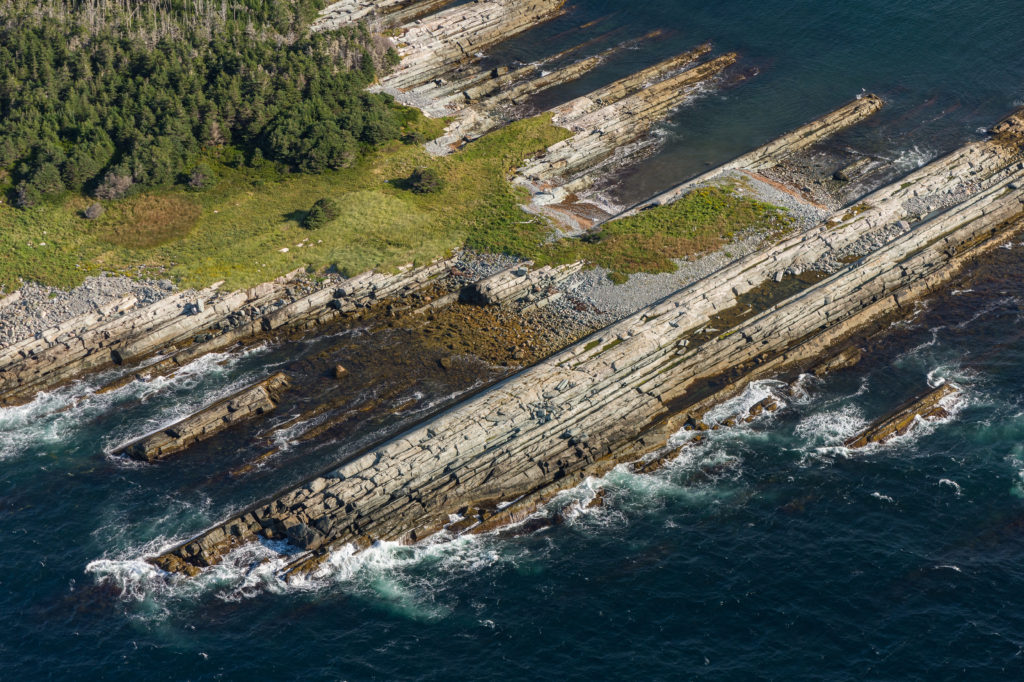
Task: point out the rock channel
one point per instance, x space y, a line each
609 120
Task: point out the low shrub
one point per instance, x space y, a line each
323 211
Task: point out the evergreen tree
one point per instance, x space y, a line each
106 95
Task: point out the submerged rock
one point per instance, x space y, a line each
927 407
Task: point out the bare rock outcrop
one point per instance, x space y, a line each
252 401
777 150
186 325
620 394
615 116
391 12
434 46
927 407
518 283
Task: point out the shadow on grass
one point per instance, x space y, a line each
298 216
404 184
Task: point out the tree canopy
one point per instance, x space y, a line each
103 96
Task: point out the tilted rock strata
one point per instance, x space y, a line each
569 113
927 407
485 107
579 413
777 150
518 283
250 402
206 321
394 12
602 130
432 47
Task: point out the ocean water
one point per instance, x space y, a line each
769 552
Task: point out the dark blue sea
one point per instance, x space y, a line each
770 552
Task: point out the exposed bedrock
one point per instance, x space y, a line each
612 118
252 401
620 394
490 88
928 407
777 150
187 325
490 104
391 12
433 46
518 283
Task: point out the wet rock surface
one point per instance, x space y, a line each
930 406
249 403
186 325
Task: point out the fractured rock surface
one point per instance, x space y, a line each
185 326
579 412
927 407
433 46
617 115
777 150
250 402
393 12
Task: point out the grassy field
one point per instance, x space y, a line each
702 221
247 228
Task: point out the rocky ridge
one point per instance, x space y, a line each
186 325
248 403
391 12
490 461
430 48
776 151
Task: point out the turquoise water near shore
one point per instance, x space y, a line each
770 552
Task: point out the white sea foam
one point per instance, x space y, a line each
409 580
405 579
953 404
931 342
883 498
180 394
800 390
913 158
755 392
830 427
952 484
53 418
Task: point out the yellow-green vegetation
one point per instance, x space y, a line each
651 241
247 227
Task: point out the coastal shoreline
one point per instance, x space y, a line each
759 307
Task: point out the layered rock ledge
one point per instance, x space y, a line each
187 325
248 403
391 12
619 395
609 120
432 47
932 405
776 151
